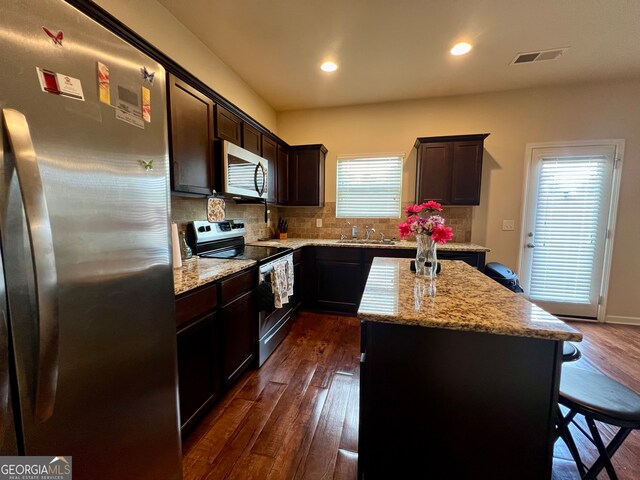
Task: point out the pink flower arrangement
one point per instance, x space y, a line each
432 224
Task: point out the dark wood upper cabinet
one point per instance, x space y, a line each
449 169
282 177
228 126
433 172
191 136
306 175
251 139
270 154
466 174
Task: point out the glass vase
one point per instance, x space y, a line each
426 256
432 259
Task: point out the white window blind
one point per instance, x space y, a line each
369 186
568 221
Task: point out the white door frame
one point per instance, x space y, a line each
613 210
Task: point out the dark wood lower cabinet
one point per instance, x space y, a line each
335 277
238 330
216 344
199 368
473 405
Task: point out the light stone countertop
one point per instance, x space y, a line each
296 243
197 271
461 298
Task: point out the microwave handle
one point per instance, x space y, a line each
259 190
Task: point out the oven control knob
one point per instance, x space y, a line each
201 229
207 228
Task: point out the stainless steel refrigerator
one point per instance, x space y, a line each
87 329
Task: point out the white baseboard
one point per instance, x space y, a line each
622 320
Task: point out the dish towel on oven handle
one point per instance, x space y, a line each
279 284
290 275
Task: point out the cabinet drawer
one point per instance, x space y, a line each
342 254
237 284
194 304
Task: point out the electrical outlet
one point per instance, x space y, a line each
508 225
318 222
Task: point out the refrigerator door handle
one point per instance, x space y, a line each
44 262
4 359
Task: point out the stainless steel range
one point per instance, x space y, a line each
225 240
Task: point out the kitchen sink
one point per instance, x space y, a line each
368 242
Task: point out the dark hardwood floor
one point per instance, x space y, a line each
297 417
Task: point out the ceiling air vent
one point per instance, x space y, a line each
539 56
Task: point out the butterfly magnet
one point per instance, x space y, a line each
55 38
147 76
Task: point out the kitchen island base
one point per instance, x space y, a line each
439 403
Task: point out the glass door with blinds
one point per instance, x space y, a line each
566 228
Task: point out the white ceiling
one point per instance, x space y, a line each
399 49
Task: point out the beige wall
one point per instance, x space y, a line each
154 22
514 118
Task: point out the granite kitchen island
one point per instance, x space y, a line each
459 377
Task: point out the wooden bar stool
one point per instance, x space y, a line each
596 397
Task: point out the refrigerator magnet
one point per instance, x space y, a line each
55 38
146 104
147 76
48 81
128 107
70 87
104 90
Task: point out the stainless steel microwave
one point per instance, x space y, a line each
244 173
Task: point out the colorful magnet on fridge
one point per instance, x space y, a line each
57 38
147 76
104 90
146 104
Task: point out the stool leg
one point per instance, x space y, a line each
605 458
564 432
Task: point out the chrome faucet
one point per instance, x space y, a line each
368 231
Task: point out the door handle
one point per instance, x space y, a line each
44 262
530 245
4 358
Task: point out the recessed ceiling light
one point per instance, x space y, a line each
329 67
461 48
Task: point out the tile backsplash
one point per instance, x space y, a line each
302 222
186 209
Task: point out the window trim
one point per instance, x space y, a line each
354 156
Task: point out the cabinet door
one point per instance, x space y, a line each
199 371
251 139
433 175
191 127
466 173
239 322
282 176
270 154
339 286
306 177
228 126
